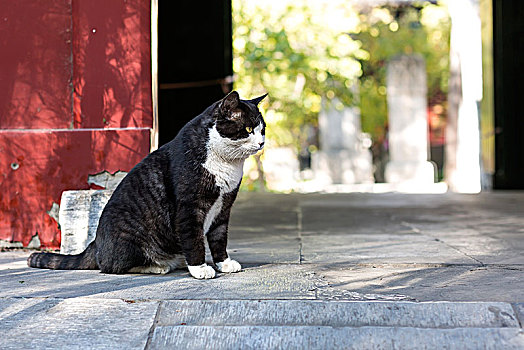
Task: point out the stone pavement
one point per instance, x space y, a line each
352 271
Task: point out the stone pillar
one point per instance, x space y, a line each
462 167
408 124
344 156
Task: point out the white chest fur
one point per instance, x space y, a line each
227 172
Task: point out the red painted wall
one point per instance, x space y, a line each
75 99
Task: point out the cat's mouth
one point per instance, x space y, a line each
256 150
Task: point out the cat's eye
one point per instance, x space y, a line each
249 129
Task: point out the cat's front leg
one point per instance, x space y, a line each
191 234
217 240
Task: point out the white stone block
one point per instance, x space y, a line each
79 214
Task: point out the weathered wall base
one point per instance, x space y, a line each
36 166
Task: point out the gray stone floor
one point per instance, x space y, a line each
319 271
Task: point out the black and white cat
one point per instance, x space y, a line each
160 214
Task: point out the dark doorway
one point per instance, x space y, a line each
508 49
194 60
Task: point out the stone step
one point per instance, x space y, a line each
79 323
324 337
312 324
336 314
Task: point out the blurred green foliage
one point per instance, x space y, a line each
306 53
393 30
298 55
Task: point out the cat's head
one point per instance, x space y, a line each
239 130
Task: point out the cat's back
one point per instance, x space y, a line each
145 187
191 141
156 175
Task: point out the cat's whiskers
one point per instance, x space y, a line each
226 149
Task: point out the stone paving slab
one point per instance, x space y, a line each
379 248
328 219
424 282
251 246
266 233
471 238
238 337
328 281
77 323
277 281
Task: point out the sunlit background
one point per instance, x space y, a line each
315 58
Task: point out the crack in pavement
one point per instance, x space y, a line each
419 231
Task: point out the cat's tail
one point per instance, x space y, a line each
83 261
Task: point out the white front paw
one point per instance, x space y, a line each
202 271
229 265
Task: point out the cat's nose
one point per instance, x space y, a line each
261 144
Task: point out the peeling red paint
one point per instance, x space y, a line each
29 192
73 102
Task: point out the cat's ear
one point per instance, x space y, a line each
229 102
257 100
228 107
